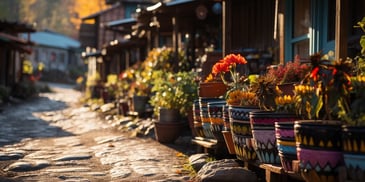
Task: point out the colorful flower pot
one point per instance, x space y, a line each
204 109
215 112
207 130
285 142
226 124
204 116
263 132
244 147
241 132
353 138
319 149
198 128
226 131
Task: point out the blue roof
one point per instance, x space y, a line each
52 39
121 22
178 2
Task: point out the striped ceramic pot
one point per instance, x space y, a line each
319 149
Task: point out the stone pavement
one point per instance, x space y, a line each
53 138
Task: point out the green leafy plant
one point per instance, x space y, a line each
360 65
353 112
174 91
138 79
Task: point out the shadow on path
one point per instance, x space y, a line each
18 122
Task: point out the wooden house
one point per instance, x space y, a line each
192 26
56 51
265 31
12 51
292 27
103 32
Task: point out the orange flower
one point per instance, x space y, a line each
226 63
220 67
234 59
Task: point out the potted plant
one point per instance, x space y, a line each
174 92
163 59
217 83
353 130
241 103
319 99
286 75
231 82
138 88
284 132
353 114
263 124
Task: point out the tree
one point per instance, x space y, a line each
63 16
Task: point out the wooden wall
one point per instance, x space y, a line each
105 36
250 24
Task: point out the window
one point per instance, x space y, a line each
298 23
309 27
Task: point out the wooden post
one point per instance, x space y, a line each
341 29
226 26
281 26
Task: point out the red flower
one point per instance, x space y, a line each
234 59
226 63
314 73
220 67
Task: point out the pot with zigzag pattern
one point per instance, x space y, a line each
263 132
319 149
353 138
241 132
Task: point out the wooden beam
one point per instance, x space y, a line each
280 54
226 26
341 29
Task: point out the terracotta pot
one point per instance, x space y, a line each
229 141
212 89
